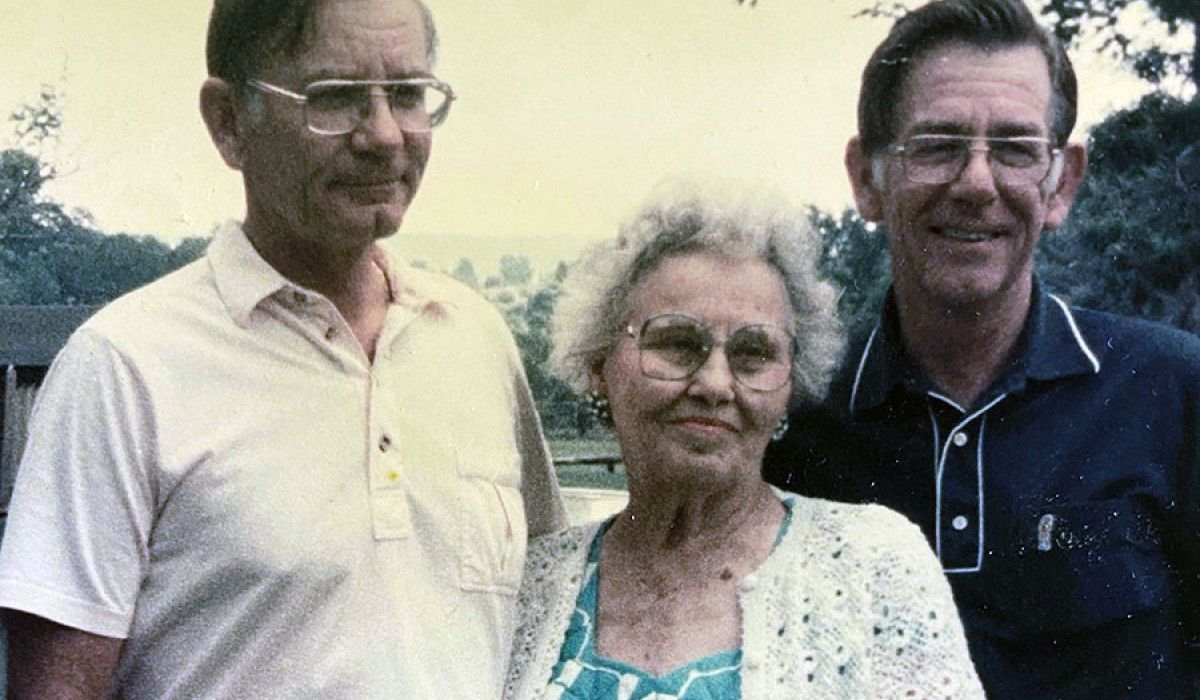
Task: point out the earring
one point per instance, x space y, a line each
599 407
780 431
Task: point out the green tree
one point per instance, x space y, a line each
856 259
37 125
1132 242
51 256
24 214
515 270
1074 19
559 408
464 272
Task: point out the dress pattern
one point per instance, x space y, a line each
851 604
583 674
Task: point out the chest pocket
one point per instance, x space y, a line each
1084 564
491 527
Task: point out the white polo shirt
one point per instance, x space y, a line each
217 473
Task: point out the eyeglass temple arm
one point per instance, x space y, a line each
283 92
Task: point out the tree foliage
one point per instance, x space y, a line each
1132 242
1072 20
51 256
856 259
527 304
464 272
560 410
1151 61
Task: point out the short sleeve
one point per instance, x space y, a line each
918 647
75 547
544 510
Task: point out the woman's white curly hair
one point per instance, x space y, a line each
685 217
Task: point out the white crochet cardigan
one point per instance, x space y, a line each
851 604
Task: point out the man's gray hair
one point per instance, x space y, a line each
243 34
686 218
983 24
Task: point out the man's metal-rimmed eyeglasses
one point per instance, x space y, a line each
337 107
674 346
935 159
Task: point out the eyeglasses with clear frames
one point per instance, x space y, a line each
935 159
674 346
337 107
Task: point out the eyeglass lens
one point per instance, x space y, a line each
338 108
674 346
938 159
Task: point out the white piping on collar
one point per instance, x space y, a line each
1083 346
862 362
947 399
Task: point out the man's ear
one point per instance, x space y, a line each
1074 166
863 182
219 107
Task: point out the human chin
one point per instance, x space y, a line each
713 447
963 286
369 211
719 462
367 192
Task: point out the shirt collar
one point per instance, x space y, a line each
1051 346
244 279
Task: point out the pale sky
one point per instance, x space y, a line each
569 112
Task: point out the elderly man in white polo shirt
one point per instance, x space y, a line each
297 467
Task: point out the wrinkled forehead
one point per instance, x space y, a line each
960 88
721 291
346 34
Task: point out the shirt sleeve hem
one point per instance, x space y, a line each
65 610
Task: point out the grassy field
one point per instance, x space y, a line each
587 475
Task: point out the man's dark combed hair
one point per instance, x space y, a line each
243 33
985 24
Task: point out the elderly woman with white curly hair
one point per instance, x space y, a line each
690 334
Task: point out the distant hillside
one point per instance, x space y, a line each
484 252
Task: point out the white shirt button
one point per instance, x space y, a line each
330 333
960 439
385 443
959 522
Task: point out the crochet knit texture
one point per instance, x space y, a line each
851 604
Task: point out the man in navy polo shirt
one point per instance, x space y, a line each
1050 454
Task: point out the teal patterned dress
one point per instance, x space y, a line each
582 674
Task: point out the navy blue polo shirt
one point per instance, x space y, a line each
1064 505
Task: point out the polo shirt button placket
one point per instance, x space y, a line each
389 504
391 472
960 503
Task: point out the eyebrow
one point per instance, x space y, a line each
1017 129
336 74
954 128
941 128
